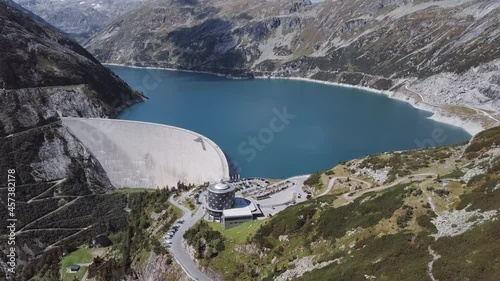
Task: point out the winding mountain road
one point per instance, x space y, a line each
178 250
353 197
478 111
332 181
180 254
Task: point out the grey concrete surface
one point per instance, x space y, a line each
147 155
283 199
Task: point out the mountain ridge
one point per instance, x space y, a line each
61 190
79 19
357 43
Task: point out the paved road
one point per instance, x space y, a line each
180 254
332 181
177 249
351 199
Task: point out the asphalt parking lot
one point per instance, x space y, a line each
279 201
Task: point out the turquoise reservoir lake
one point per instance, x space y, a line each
281 128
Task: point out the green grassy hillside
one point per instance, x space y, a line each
435 207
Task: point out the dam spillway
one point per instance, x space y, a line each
147 155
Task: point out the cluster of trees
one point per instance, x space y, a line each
413 191
404 163
137 237
313 179
406 217
425 221
101 213
330 223
181 187
329 173
483 140
206 241
47 264
292 220
102 270
106 215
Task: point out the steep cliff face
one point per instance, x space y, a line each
220 35
159 267
38 59
379 44
61 188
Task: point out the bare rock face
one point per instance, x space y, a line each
37 57
378 44
478 86
26 108
62 191
160 267
45 75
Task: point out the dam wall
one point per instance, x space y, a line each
147 155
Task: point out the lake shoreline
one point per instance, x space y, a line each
472 128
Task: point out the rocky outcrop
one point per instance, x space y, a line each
45 75
160 267
36 56
478 86
26 108
62 191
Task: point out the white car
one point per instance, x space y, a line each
168 242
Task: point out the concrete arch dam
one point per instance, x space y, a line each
147 155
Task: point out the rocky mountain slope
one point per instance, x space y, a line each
427 214
79 19
378 44
60 187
